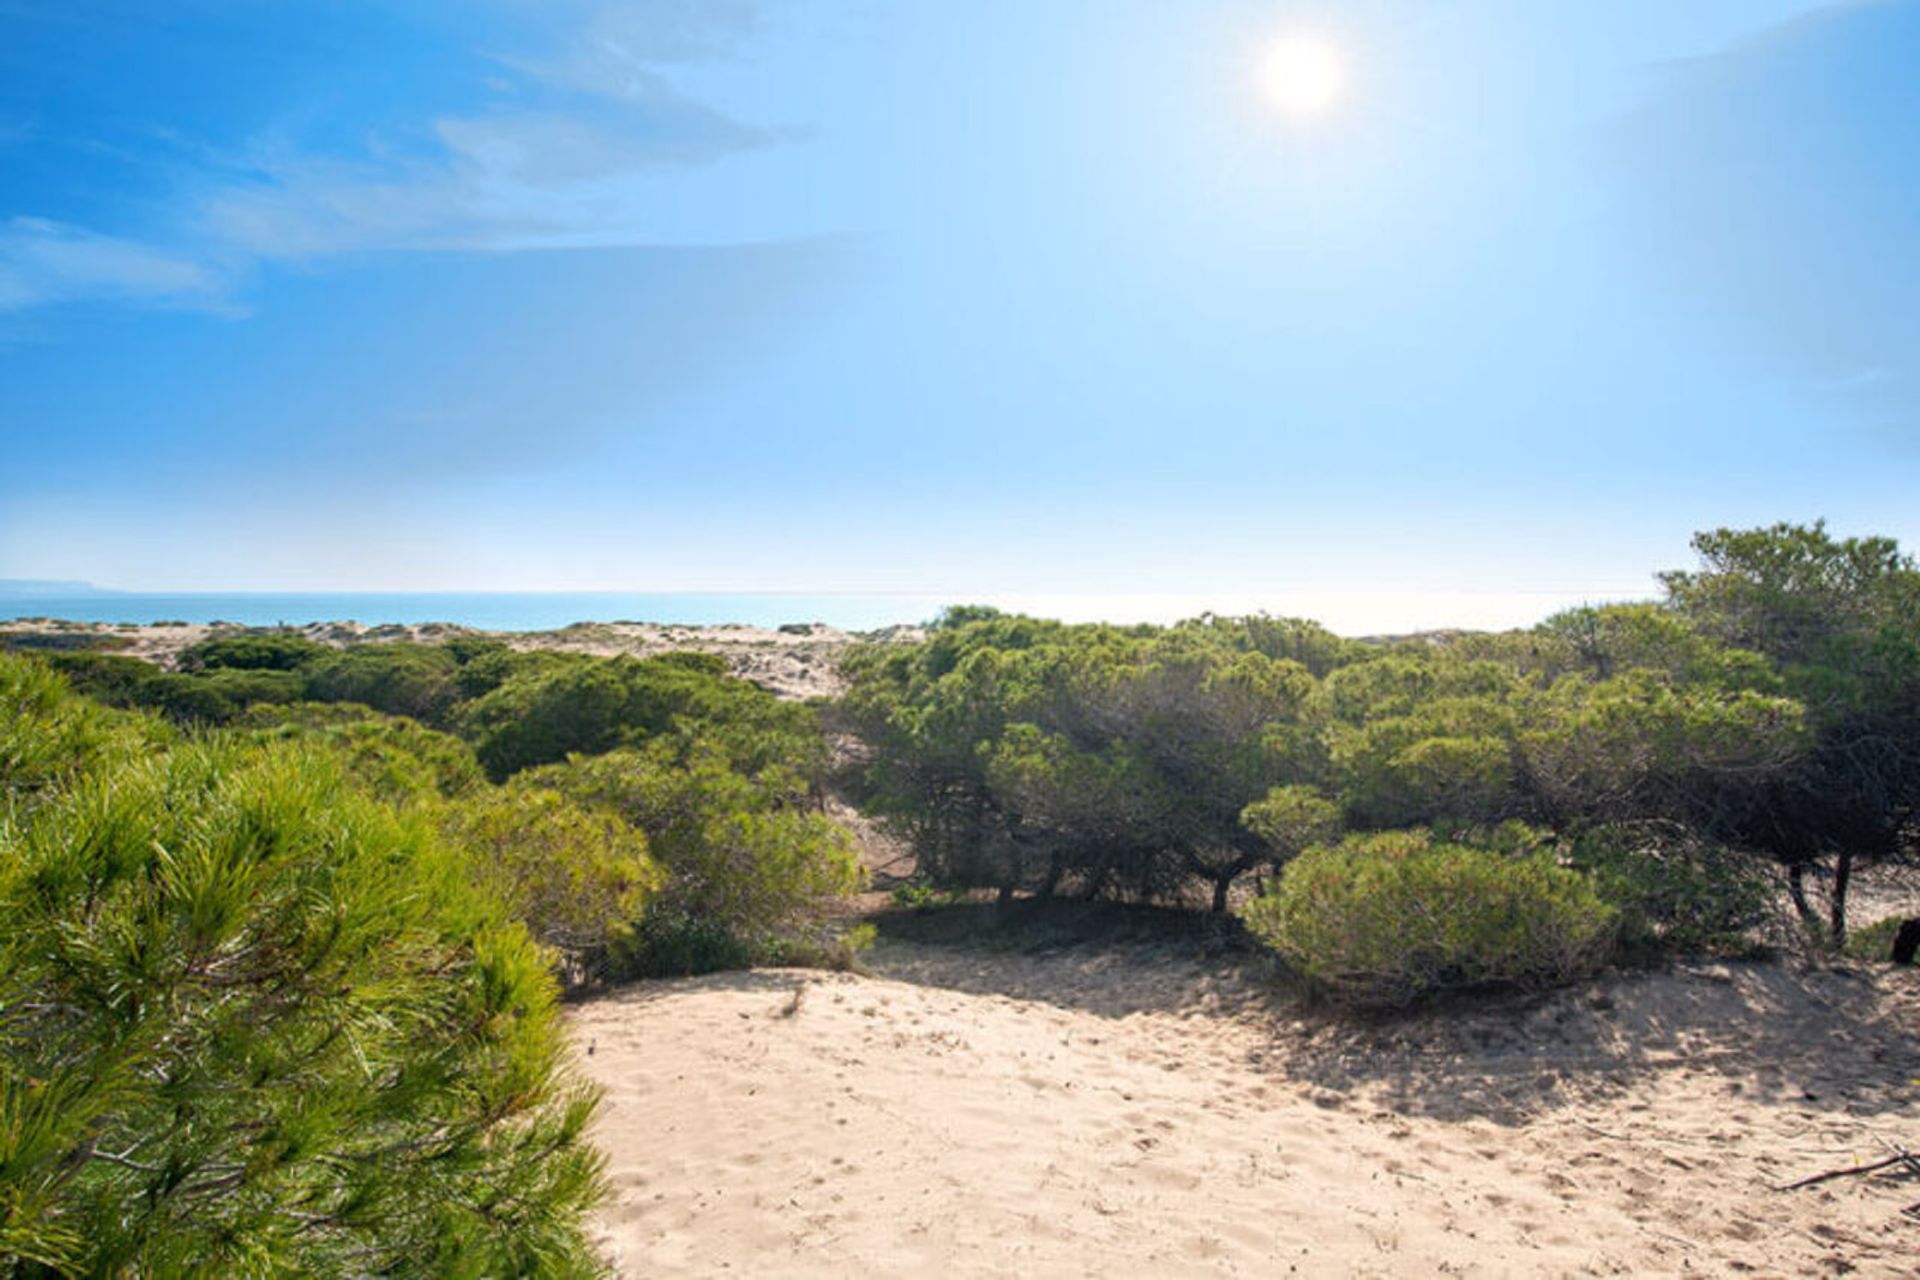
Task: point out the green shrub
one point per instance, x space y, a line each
253 651
673 944
399 760
185 700
1292 819
578 878
544 715
830 948
243 687
739 860
1674 893
252 1023
61 641
110 678
217 696
402 679
548 710
1387 919
49 737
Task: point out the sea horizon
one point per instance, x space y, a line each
1353 613
482 610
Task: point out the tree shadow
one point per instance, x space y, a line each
643 992
1825 1041
1103 958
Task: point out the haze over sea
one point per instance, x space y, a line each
1352 613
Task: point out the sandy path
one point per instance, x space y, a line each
1134 1123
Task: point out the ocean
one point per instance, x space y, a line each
489 611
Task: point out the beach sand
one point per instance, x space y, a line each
1104 1113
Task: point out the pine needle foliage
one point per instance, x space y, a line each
253 1022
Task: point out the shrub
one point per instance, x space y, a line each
110 678
1674 892
217 696
1387 919
243 687
917 895
403 679
252 1023
673 944
253 651
398 760
543 716
1292 819
828 948
578 878
548 710
48 737
738 860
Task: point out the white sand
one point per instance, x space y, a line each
1118 1119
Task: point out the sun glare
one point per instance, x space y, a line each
1304 76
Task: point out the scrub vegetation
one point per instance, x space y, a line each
286 931
287 926
1620 780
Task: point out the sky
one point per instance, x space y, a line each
994 298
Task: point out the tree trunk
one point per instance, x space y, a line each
1006 895
1842 874
1220 888
1797 890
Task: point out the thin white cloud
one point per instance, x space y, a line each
615 49
506 181
587 165
44 262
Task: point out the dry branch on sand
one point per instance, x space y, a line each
1906 1162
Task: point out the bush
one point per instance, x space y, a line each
252 1023
547 710
398 760
739 861
917 895
110 678
674 944
253 651
578 878
402 679
48 737
1674 892
542 716
217 696
1388 919
242 688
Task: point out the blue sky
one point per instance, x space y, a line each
986 298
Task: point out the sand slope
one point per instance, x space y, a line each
1110 1118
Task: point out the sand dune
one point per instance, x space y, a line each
1119 1118
799 662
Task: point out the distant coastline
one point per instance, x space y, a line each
485 611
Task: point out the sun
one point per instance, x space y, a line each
1304 76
